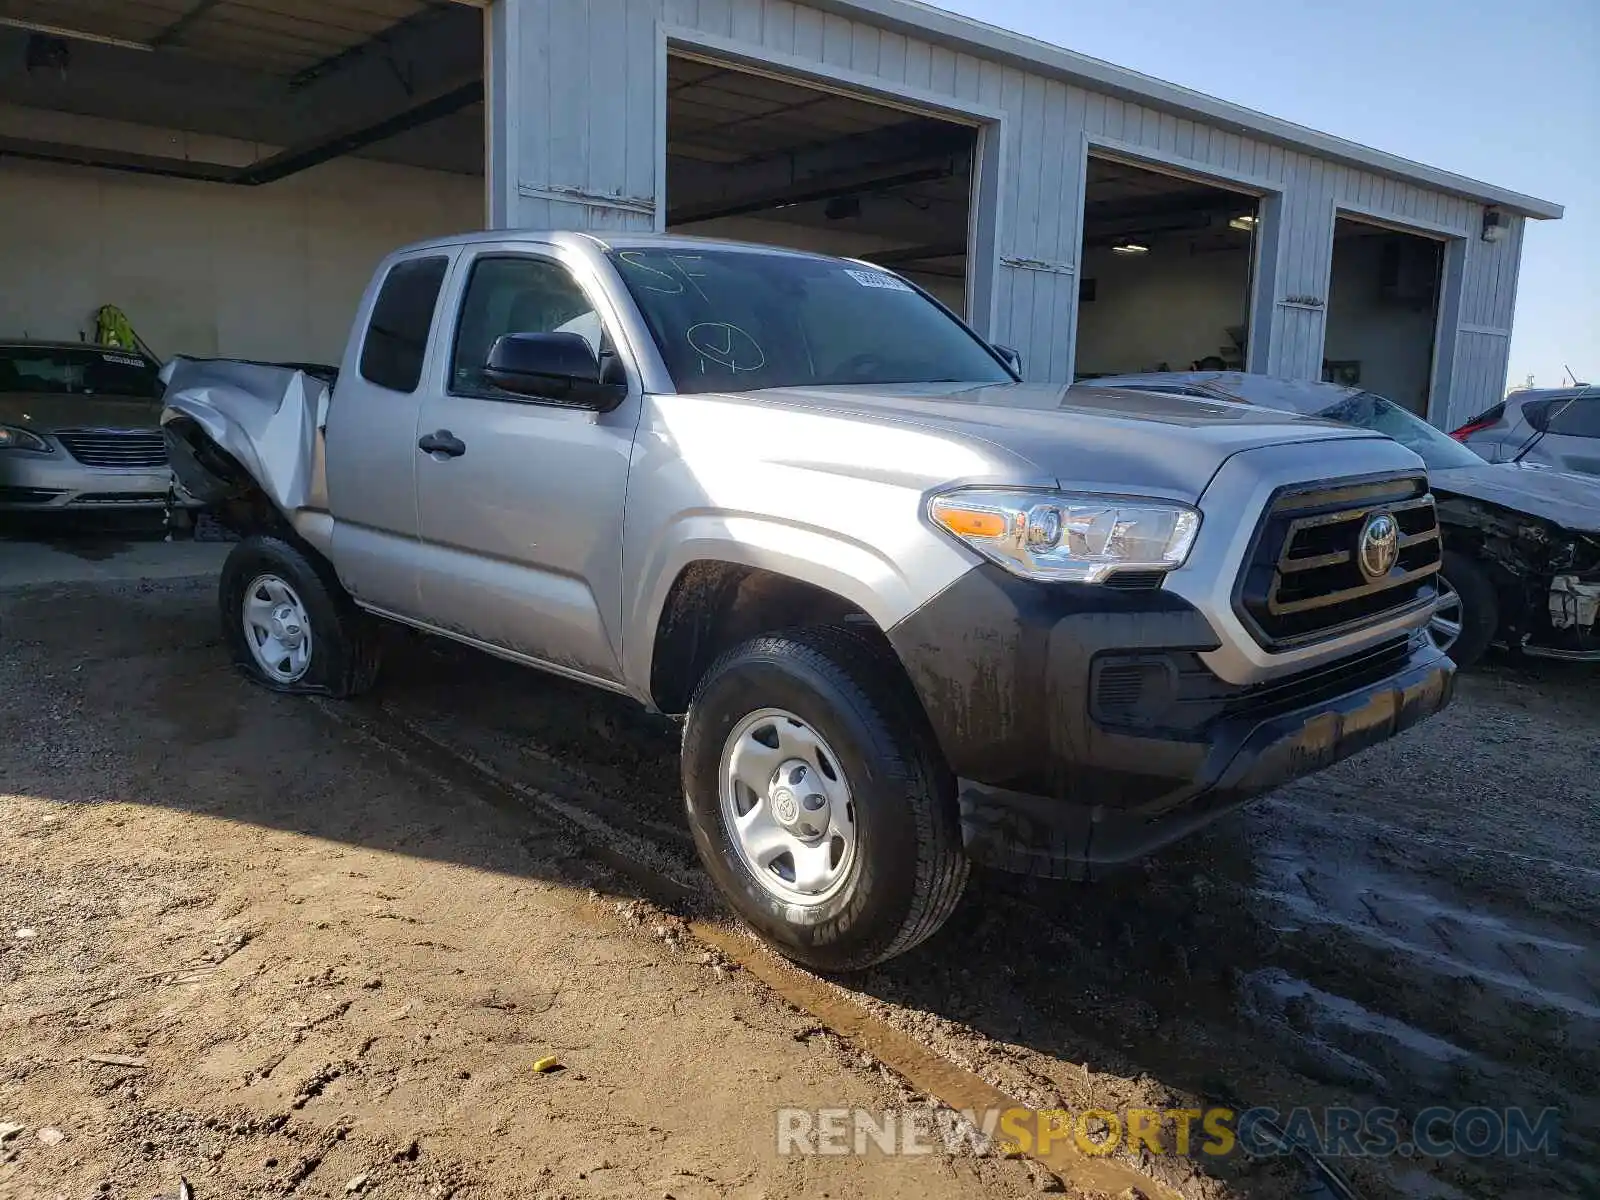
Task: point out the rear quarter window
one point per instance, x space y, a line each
1574 418
397 334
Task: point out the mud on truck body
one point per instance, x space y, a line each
912 611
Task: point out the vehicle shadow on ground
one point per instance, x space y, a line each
1122 994
92 536
1160 986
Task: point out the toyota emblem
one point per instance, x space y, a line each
1379 546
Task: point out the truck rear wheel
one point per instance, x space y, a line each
818 800
290 625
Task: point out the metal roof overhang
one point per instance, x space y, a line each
317 78
296 39
299 38
974 37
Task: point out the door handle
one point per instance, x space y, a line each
442 442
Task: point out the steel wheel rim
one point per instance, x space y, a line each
277 628
787 807
1444 627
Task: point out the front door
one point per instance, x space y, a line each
372 439
520 512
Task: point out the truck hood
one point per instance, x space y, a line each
1569 500
47 412
1107 439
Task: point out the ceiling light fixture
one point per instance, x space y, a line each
77 35
1130 248
1246 222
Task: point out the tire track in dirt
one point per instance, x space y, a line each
1424 964
956 1089
276 912
664 869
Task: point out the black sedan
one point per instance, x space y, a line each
1521 542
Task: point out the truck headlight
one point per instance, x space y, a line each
1060 536
12 438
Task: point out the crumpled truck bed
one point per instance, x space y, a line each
267 421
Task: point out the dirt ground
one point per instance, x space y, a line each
335 960
338 973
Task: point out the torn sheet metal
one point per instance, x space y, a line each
1569 500
270 419
1573 603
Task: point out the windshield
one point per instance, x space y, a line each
1371 411
70 371
743 320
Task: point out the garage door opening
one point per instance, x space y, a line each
772 160
1165 275
1383 311
227 175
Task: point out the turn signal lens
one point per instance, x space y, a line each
1069 538
970 522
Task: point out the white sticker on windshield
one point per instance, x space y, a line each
877 279
123 360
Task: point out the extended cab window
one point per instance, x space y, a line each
397 337
515 295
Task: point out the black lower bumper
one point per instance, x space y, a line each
1086 731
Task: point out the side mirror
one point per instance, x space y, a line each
551 366
1012 358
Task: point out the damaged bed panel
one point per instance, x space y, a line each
267 422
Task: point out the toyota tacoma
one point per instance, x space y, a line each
913 611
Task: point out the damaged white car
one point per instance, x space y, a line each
1521 540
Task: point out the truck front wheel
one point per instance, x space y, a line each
290 625
818 800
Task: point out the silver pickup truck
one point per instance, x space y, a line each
913 611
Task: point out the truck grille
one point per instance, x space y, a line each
1304 581
125 448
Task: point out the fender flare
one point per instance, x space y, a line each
864 576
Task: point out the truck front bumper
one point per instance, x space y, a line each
1086 731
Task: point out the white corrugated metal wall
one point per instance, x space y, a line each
577 132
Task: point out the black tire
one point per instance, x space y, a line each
909 869
344 644
1480 607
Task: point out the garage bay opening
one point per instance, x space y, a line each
216 179
1383 311
767 159
1165 274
